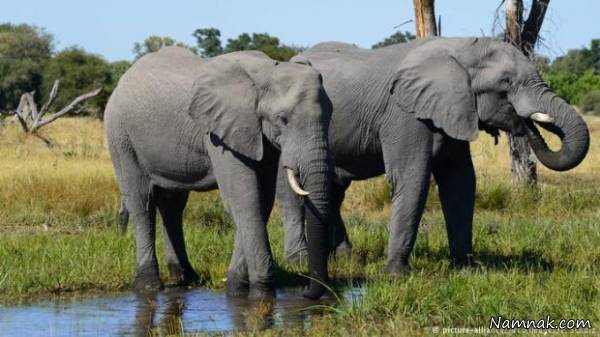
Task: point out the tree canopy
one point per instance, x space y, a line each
575 76
397 37
209 44
23 49
154 42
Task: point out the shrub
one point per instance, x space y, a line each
590 103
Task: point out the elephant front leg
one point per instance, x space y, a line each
456 181
242 192
408 168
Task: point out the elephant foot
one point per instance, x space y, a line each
398 269
464 261
147 281
182 277
261 292
236 286
299 258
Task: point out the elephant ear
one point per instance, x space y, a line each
437 88
224 102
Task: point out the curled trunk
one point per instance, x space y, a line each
568 125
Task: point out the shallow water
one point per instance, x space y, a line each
170 311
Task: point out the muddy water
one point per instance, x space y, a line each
169 312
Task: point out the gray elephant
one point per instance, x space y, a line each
409 110
177 122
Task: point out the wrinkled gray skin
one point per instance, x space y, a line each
409 110
177 123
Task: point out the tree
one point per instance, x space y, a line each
23 49
425 18
395 38
25 41
523 36
578 61
264 42
154 43
209 41
32 119
78 71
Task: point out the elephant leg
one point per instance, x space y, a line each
292 209
456 181
240 187
408 169
136 190
340 243
171 205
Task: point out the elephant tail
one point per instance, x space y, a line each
123 217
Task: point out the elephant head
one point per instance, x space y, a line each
246 99
464 84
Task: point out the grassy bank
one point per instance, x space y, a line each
537 251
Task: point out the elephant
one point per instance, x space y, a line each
177 122
410 110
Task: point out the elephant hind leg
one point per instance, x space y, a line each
456 181
171 205
135 187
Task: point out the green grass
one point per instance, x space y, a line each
537 250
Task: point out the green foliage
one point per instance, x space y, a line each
209 44
591 102
395 38
25 41
80 72
576 74
23 48
264 42
154 43
209 41
571 86
542 64
578 61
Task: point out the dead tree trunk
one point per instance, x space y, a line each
524 37
425 18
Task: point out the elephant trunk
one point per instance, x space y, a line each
317 173
568 125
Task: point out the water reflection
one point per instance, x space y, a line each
172 311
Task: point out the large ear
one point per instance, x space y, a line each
434 86
225 100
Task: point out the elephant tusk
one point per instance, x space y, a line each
541 117
294 184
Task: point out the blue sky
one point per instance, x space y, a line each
110 27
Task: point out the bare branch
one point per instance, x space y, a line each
53 93
532 26
403 23
33 113
40 123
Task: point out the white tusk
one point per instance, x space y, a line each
541 117
294 184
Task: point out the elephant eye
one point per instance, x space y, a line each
283 120
506 80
